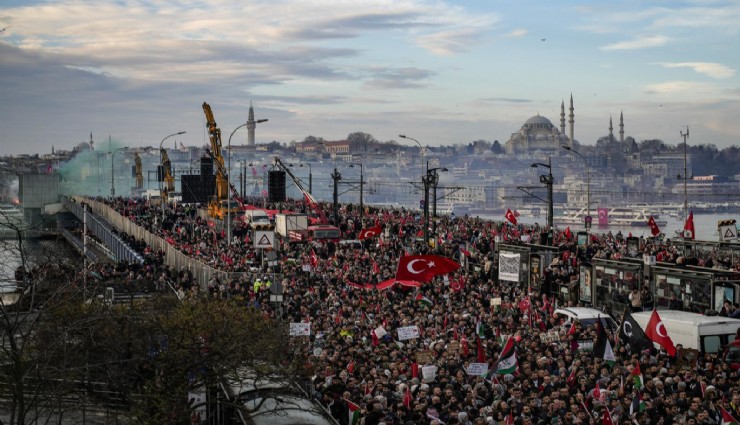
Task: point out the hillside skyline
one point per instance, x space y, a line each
443 72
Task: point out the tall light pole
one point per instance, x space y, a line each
310 176
161 162
433 179
362 208
685 176
336 176
421 149
547 180
588 185
112 176
228 179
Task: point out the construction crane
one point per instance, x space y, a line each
138 171
310 200
218 204
169 179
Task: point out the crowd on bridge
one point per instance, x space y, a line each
365 373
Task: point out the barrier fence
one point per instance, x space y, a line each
202 273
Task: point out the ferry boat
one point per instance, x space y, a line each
618 216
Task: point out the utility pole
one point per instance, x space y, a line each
336 177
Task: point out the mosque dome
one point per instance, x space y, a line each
538 120
82 146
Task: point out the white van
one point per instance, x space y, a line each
257 216
708 334
587 316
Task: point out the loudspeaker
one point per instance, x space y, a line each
276 186
206 166
197 189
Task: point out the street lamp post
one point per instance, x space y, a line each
228 180
547 180
421 149
588 185
685 176
362 208
310 176
112 176
161 162
336 177
435 182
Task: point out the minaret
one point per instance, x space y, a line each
571 121
562 117
251 125
91 142
611 129
621 127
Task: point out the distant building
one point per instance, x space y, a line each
539 134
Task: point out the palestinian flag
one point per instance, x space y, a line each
480 329
506 363
353 413
602 347
637 377
637 405
422 300
727 419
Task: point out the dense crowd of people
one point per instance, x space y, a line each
361 365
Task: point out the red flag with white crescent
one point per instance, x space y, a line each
654 229
510 216
370 232
657 333
422 268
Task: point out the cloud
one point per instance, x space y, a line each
679 87
506 100
445 43
401 78
714 70
519 32
644 42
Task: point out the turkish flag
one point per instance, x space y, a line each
422 268
688 227
525 305
314 259
370 232
654 229
657 333
568 234
607 419
510 216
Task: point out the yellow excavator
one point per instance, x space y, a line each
219 204
139 172
169 179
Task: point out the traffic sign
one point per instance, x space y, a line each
264 238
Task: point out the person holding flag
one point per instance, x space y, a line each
657 333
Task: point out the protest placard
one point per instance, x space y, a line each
300 329
424 357
478 369
380 332
408 332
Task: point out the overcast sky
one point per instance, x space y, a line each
443 72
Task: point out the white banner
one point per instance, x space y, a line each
408 332
300 329
478 369
508 266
